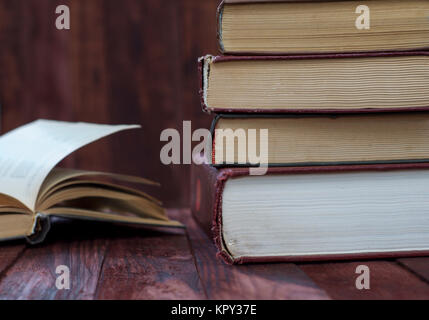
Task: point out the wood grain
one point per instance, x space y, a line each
89 79
73 244
9 254
388 280
106 261
133 61
148 265
121 262
250 282
34 80
419 266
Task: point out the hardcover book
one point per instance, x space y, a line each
309 140
335 83
32 190
301 214
258 27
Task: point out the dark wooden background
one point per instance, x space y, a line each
128 61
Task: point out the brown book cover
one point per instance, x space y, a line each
222 50
208 184
203 75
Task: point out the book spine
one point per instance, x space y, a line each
219 16
41 228
202 79
207 185
203 195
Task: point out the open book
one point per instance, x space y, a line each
32 190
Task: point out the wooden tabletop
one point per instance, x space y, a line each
118 262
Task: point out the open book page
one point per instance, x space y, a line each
74 213
14 226
72 193
60 175
60 178
29 153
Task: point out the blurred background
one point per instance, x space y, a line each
122 62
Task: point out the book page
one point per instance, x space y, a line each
29 153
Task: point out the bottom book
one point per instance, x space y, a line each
314 213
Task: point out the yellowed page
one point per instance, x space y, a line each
94 184
309 84
29 153
59 175
324 26
14 226
141 205
108 217
320 140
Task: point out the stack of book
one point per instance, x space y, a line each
343 91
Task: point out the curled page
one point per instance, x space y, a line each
29 153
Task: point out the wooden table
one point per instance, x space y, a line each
117 262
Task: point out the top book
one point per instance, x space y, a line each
278 27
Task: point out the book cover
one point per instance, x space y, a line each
208 184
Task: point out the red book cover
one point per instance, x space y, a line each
208 184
